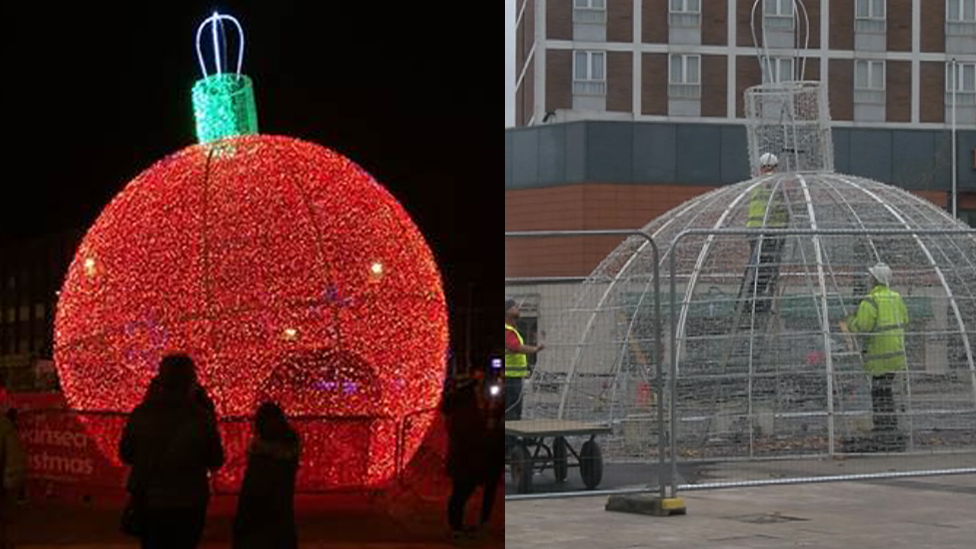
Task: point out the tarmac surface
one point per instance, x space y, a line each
915 512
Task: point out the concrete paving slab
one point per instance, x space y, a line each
938 511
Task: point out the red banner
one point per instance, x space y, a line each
57 446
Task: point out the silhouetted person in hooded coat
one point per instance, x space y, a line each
171 441
265 510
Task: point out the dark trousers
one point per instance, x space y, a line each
178 528
883 403
461 493
513 405
491 488
463 488
765 261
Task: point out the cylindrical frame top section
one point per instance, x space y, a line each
223 106
790 120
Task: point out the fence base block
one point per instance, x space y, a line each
646 504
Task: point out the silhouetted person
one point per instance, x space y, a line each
265 510
171 441
494 441
467 449
12 467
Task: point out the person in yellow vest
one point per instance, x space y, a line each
881 319
766 209
516 365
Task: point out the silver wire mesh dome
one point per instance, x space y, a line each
771 376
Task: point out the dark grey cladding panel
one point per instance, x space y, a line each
609 152
698 154
876 146
711 154
575 152
734 154
842 150
525 165
654 152
943 159
552 153
966 149
508 159
914 159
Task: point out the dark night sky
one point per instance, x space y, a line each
95 93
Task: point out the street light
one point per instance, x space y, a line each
955 84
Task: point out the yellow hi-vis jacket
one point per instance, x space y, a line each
882 317
516 364
759 198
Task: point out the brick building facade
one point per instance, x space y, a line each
885 62
627 108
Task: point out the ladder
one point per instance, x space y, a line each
762 276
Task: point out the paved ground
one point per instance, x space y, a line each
919 512
378 524
411 516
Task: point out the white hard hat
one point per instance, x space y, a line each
768 159
882 273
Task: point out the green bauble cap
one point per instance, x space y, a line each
223 103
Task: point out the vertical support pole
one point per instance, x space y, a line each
672 383
955 84
659 369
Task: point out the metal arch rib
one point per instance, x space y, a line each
837 197
860 223
938 272
589 323
824 317
702 255
630 326
921 212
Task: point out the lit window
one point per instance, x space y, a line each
590 11
869 81
684 76
589 76
961 17
869 16
779 14
685 13
777 69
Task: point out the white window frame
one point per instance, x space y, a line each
872 22
590 11
963 25
682 88
684 13
776 64
590 85
965 84
778 14
871 92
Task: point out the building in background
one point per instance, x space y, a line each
886 63
627 108
31 272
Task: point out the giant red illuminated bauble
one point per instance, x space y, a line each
288 274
